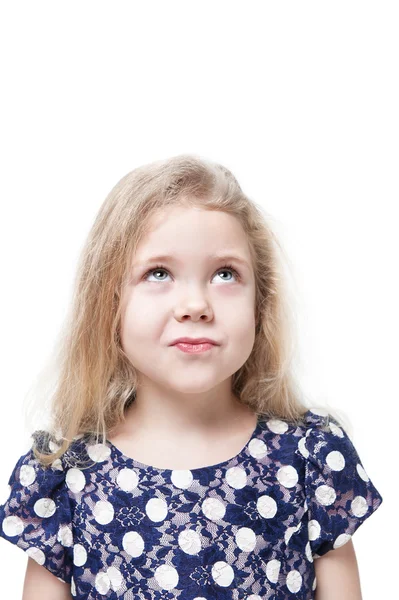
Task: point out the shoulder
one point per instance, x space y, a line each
339 493
321 430
30 480
313 437
37 513
329 451
40 512
326 444
29 472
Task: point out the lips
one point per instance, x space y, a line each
187 340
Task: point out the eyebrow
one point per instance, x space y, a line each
172 259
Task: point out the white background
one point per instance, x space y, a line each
299 99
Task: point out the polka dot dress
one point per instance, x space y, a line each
247 528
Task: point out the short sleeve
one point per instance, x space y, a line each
37 514
340 496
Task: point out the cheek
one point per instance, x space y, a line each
244 330
138 323
239 311
246 339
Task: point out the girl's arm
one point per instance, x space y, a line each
40 584
337 575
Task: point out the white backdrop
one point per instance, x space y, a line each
299 99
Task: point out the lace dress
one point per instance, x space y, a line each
249 528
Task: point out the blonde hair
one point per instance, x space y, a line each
95 381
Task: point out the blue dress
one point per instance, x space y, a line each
250 527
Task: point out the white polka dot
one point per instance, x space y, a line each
45 507
236 477
156 509
182 478
75 480
362 473
359 506
273 570
102 583
127 479
79 555
267 506
53 446
335 460
13 526
252 597
289 532
98 452
73 587
287 476
302 447
336 430
321 412
314 529
245 539
325 495
36 554
213 509
257 448
341 540
222 573
133 543
189 541
103 512
308 552
115 577
314 584
57 465
65 536
294 581
167 577
27 475
277 425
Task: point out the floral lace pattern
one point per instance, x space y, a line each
247 528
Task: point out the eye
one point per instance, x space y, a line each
154 270
225 269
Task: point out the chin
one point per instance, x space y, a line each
193 389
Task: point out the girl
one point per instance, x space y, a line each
181 461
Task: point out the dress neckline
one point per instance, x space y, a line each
129 460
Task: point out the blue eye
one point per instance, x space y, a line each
162 268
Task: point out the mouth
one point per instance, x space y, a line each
194 348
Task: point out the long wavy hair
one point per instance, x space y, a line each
94 382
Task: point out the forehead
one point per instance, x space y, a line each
190 233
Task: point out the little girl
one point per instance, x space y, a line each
180 461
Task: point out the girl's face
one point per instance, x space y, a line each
193 295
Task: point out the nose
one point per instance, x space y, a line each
194 308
